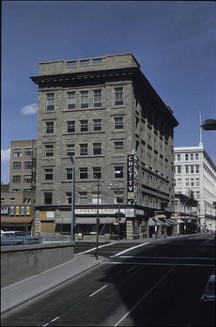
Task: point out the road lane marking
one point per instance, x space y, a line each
141 299
100 289
92 249
157 263
132 248
131 268
54 319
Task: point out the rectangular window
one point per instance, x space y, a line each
71 126
84 62
68 198
96 173
28 179
119 146
16 165
49 127
97 124
178 157
186 181
96 198
83 197
27 201
83 125
71 100
118 96
192 169
84 99
28 152
28 165
187 169
178 169
118 122
69 174
97 98
197 182
12 200
70 150
50 101
16 179
17 152
192 181
196 156
49 152
97 61
48 198
118 197
83 173
48 174
83 149
97 148
197 169
186 156
119 171
191 156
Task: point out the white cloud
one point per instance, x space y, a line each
5 155
30 109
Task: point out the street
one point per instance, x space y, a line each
148 283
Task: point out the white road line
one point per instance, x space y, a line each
131 268
54 319
157 264
100 289
92 249
141 299
134 247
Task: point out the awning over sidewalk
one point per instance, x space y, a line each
16 220
90 220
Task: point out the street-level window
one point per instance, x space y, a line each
71 126
69 175
96 198
50 101
97 148
68 198
83 149
16 179
96 173
49 127
17 152
118 96
16 165
83 125
97 98
119 171
118 122
83 173
84 99
48 174
49 150
70 150
48 198
28 165
71 99
97 123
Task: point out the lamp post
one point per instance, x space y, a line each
97 219
72 199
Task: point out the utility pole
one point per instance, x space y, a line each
72 199
97 219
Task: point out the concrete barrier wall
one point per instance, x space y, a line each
20 262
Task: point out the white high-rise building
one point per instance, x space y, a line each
196 172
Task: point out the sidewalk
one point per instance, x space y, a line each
21 292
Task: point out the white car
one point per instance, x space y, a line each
209 292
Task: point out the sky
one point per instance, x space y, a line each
173 41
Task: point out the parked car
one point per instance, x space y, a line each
209 292
11 238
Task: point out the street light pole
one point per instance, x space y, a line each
72 199
97 219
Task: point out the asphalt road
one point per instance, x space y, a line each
139 284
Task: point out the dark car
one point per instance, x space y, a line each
209 292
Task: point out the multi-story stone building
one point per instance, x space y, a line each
104 112
23 165
195 173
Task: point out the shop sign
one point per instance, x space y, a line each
4 210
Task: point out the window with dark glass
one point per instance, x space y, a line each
118 122
119 171
48 174
83 197
69 174
83 149
118 96
68 197
119 146
28 179
83 172
71 100
50 105
97 123
71 126
17 152
83 125
16 179
49 127
28 165
97 148
70 150
97 98
84 99
16 165
49 152
96 173
28 152
48 198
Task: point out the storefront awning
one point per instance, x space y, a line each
16 220
90 220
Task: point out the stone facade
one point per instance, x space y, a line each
100 110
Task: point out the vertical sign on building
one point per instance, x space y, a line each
132 178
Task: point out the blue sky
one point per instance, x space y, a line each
174 42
